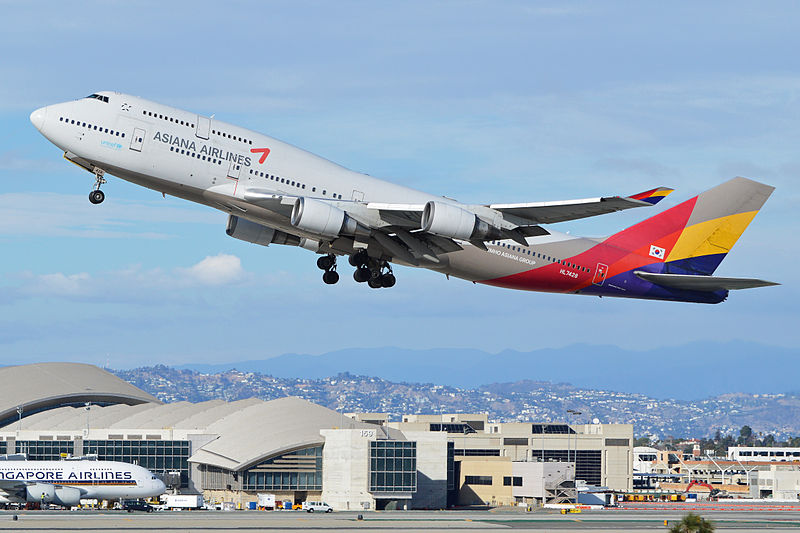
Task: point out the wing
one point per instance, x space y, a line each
275 202
398 227
400 215
526 214
12 485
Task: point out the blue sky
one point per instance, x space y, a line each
481 101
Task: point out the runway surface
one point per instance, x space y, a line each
630 519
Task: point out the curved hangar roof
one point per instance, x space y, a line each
43 386
242 433
271 428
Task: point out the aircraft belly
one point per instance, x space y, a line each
179 190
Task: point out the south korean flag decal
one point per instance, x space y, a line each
657 252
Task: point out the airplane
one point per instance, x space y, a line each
69 481
276 193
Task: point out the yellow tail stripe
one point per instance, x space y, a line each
716 236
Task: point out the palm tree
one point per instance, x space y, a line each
692 523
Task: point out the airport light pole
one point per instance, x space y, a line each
19 422
87 405
569 437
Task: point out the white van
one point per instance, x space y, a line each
320 507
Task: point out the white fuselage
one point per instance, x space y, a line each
167 159
221 165
108 480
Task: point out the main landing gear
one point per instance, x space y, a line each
376 274
328 264
97 196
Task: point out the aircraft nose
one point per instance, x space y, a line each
38 116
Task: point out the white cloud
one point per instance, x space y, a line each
221 269
58 284
134 283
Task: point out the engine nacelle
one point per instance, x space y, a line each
321 218
47 493
452 221
310 244
243 229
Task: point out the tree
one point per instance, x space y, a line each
692 523
745 435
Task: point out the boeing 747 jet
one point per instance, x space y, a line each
275 193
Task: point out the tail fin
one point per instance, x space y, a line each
695 236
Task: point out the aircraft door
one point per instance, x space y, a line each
358 196
138 139
600 274
203 127
233 170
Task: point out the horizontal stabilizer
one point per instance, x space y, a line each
702 283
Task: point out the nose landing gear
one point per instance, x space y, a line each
97 196
328 264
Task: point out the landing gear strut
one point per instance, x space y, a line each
375 273
97 196
328 264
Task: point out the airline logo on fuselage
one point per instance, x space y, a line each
204 149
58 475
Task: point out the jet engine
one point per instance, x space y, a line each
47 493
449 220
243 229
321 218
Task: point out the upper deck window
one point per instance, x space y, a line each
99 97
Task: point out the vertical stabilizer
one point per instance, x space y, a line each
696 235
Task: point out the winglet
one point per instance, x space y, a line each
653 196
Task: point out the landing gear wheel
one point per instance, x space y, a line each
362 274
388 280
330 277
97 196
375 283
358 259
326 262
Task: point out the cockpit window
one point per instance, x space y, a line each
99 97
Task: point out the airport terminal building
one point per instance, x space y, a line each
297 450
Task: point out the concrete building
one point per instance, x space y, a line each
780 482
763 454
296 450
770 473
602 454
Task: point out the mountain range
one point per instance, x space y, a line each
690 371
